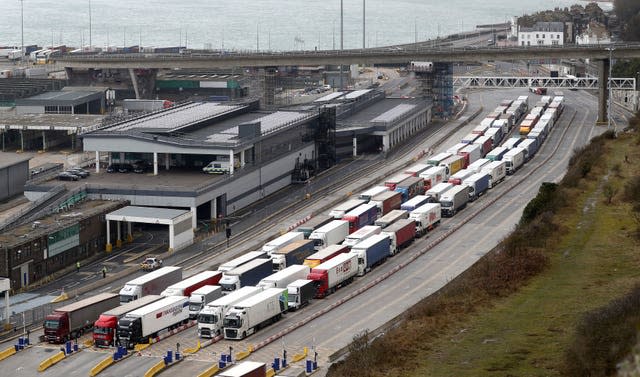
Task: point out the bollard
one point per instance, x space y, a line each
229 358
75 347
315 365
115 356
309 366
222 364
123 351
169 356
67 347
276 364
284 363
178 356
21 343
16 347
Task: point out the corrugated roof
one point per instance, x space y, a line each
149 212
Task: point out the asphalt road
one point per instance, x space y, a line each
392 296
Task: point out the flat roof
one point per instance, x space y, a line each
148 212
53 122
357 93
330 97
62 97
176 118
377 111
56 221
10 159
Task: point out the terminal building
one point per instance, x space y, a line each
257 152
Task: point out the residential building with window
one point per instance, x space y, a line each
542 34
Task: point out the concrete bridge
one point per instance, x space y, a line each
402 54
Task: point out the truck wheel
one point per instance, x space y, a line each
244 334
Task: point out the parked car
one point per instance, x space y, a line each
67 176
80 172
140 167
125 168
151 263
113 168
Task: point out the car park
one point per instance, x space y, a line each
67 176
140 167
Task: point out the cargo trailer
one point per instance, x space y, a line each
71 321
105 328
334 273
371 252
300 293
248 274
190 284
324 255
426 217
211 316
400 233
255 312
330 234
152 283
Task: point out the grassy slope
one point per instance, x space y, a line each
526 333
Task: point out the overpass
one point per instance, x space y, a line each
401 54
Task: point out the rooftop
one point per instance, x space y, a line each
56 221
66 97
149 212
50 121
382 111
10 159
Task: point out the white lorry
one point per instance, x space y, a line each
300 292
255 312
514 159
284 277
142 324
201 297
370 193
239 261
361 235
433 176
330 234
497 170
151 283
282 241
454 200
211 316
436 191
426 217
339 211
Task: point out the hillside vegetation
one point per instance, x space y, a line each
558 296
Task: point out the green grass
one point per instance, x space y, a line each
527 333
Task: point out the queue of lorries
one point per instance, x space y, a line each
257 288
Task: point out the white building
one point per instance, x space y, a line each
593 37
542 34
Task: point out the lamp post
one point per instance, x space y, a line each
609 109
341 39
22 31
90 41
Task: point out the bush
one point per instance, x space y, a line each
547 200
603 337
632 190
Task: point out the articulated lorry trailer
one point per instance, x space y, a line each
330 234
190 284
301 292
401 233
201 297
239 261
426 217
339 211
70 321
282 241
324 255
358 217
245 369
478 185
140 325
393 216
211 316
282 278
371 192
334 273
387 201
105 328
294 253
372 252
253 313
454 200
152 283
248 274
497 170
361 235
314 223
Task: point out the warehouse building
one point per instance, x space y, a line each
14 173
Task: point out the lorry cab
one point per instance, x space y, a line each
55 327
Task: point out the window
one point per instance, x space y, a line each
554 42
528 36
543 36
537 35
558 36
550 36
523 43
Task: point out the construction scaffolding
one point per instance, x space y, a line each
435 83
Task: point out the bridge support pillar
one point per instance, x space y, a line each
269 88
134 82
603 92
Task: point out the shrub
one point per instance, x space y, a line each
547 200
603 337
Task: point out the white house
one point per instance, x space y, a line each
542 34
593 36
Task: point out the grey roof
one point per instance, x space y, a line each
149 212
64 98
50 121
370 113
545 26
9 159
357 93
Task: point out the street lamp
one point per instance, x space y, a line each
22 31
609 109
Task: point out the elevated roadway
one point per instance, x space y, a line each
369 56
